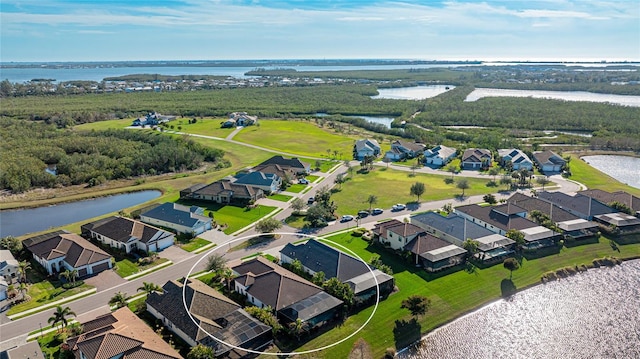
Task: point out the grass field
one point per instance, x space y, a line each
237 218
296 188
451 294
285 136
392 187
194 244
594 179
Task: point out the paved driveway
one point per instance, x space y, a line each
105 280
175 254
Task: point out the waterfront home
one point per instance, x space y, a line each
222 191
60 250
439 155
579 205
500 219
434 254
366 147
476 158
267 182
401 150
182 219
317 257
128 234
395 234
119 334
8 265
622 197
292 297
572 226
214 314
549 161
294 164
518 159
621 223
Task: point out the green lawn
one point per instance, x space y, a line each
105 125
127 267
194 244
451 294
280 197
295 221
237 217
44 292
391 187
296 188
312 178
286 136
594 179
207 126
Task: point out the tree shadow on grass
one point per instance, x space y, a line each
406 333
507 287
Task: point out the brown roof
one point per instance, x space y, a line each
397 227
77 251
276 287
226 186
413 146
605 197
121 332
556 213
548 157
475 154
425 242
293 163
280 171
122 229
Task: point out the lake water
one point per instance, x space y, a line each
385 121
23 221
623 168
624 100
99 73
412 93
595 314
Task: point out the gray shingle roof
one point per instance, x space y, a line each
123 229
257 178
580 205
556 213
425 242
548 157
605 197
318 256
77 251
452 225
293 163
497 218
177 214
476 155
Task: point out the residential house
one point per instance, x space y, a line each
285 173
434 254
439 156
456 229
180 218
29 350
294 164
292 297
395 234
119 334
625 198
500 219
317 257
267 182
366 147
128 234
222 191
152 119
548 161
401 150
579 205
240 119
572 226
476 158
622 223
4 287
209 313
518 159
8 265
59 251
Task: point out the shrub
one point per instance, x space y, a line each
390 353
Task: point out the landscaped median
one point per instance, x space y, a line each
32 307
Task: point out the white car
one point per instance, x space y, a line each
303 181
346 218
376 211
398 207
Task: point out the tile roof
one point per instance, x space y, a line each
120 332
77 251
177 214
452 225
217 314
581 205
277 288
554 212
125 230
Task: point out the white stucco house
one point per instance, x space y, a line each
439 155
128 234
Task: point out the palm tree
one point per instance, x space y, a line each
297 328
372 199
228 275
150 288
119 300
60 316
23 266
23 290
74 275
66 274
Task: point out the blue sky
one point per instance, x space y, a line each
103 30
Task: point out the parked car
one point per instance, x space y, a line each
311 200
303 181
376 211
363 214
398 207
346 218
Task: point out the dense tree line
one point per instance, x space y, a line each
91 157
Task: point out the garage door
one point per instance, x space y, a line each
100 267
